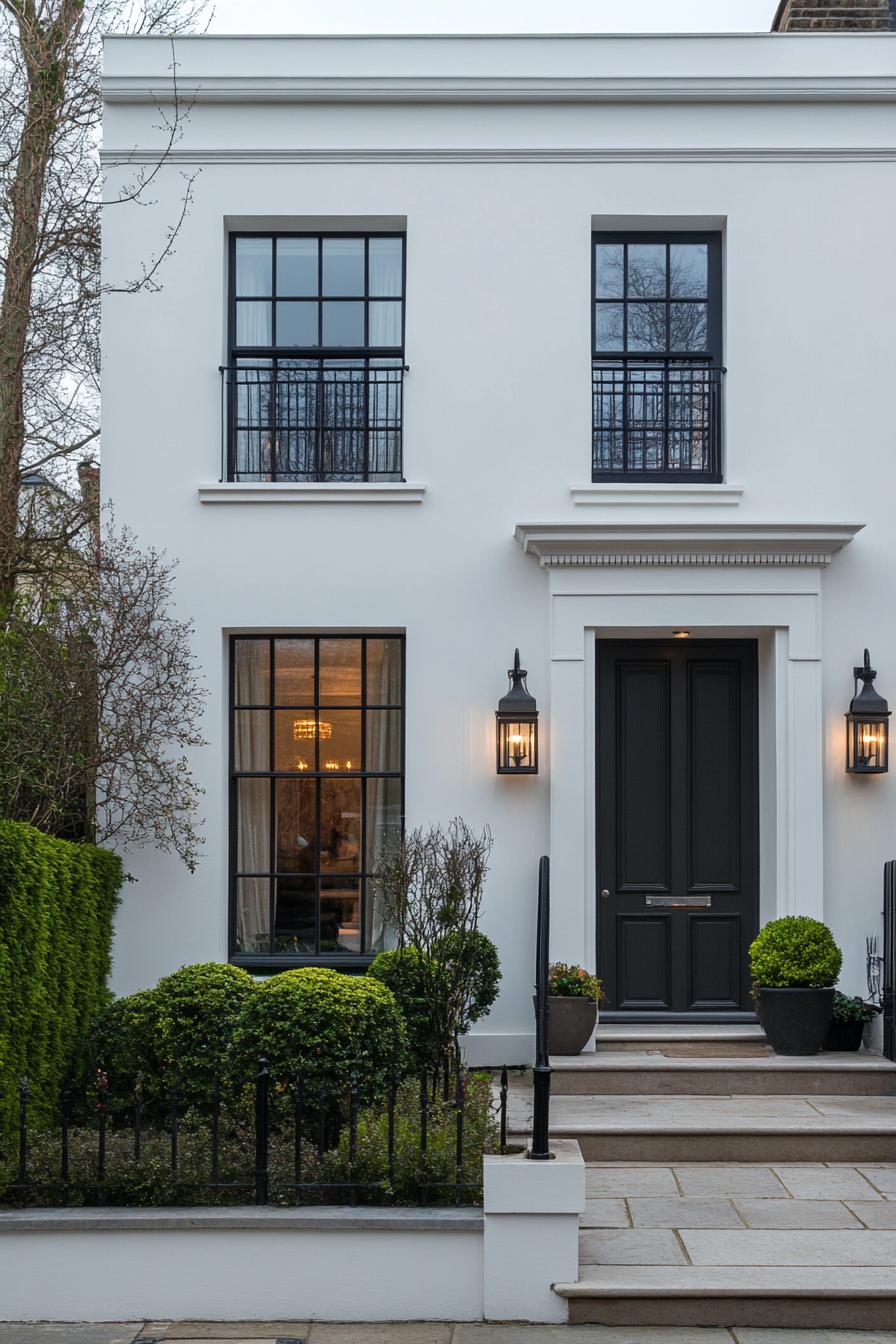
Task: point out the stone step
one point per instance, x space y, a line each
730 1128
618 1073
683 1039
847 1296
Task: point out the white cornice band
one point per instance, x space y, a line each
501 89
563 545
182 155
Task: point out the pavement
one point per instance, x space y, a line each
286 1332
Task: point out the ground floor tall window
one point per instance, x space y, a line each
316 787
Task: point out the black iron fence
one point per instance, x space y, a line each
420 1143
305 421
657 419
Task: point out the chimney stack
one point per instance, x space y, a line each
845 16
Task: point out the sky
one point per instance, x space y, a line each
492 16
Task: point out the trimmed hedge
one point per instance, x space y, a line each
57 900
410 975
795 952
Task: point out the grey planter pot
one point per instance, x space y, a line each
795 1021
571 1024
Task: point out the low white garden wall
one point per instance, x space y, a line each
320 1264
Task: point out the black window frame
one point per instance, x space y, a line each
709 359
274 961
383 366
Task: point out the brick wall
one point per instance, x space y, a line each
815 16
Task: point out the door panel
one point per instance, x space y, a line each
644 961
677 794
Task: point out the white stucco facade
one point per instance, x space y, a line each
498 157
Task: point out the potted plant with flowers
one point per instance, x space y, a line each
573 996
795 964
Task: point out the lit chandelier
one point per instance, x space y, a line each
306 730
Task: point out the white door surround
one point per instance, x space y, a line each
715 580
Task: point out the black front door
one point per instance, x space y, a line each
677 791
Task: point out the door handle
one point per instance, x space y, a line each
604 892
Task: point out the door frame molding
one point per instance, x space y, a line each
778 606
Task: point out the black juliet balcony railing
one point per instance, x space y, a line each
312 421
656 419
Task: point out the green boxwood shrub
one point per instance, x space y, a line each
57 900
410 974
198 1009
477 959
319 1025
795 952
123 1043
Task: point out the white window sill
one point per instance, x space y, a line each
311 492
655 493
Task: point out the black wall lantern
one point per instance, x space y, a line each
516 720
867 730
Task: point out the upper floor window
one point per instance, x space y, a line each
656 356
314 378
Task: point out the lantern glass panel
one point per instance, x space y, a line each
517 745
868 745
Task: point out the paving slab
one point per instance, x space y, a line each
729 1182
799 1214
882 1177
743 1335
587 1334
638 1247
234 1332
403 1332
605 1213
625 1181
880 1216
817 1181
686 1212
57 1333
788 1248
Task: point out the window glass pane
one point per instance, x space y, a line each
250 739
687 323
384 261
385 324
294 671
295 739
341 750
646 326
252 668
297 323
609 273
253 914
687 270
295 915
343 266
340 825
253 266
646 270
384 671
340 911
340 671
608 326
383 817
343 324
297 270
383 739
253 826
296 826
253 323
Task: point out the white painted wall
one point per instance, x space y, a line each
499 200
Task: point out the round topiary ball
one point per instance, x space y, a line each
123 1043
198 1008
316 1027
474 957
795 952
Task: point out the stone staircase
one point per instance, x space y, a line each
727 1186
